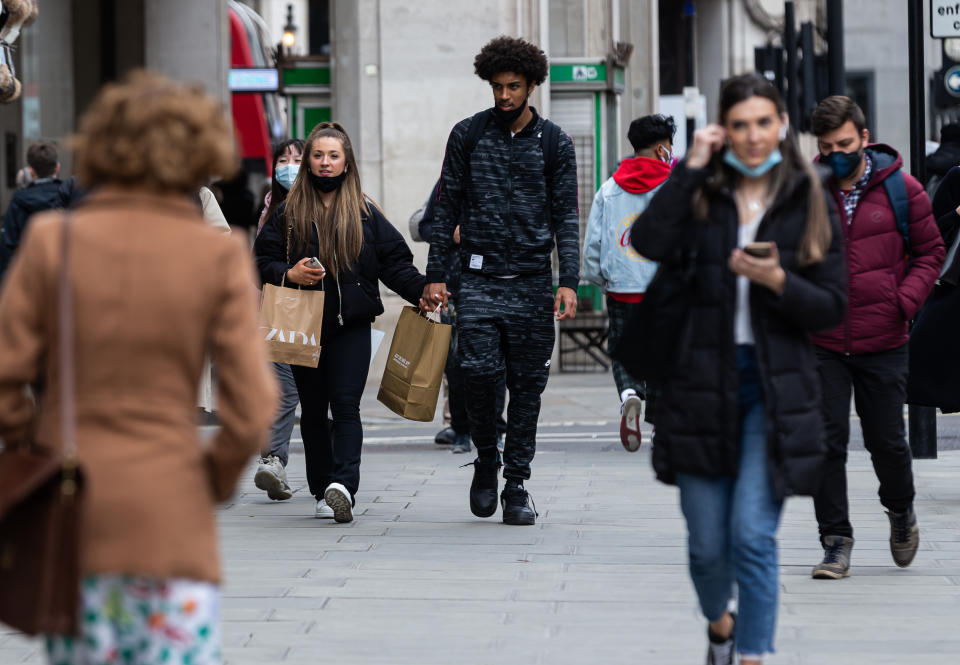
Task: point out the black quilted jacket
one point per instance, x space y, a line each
697 413
514 211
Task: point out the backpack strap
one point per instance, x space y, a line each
550 144
478 123
896 189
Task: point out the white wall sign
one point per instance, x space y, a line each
944 19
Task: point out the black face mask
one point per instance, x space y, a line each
506 118
326 183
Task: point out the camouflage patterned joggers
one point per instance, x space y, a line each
505 322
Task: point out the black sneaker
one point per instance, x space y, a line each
444 437
461 444
904 537
719 650
483 489
514 501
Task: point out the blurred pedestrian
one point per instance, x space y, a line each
932 379
328 217
510 181
944 158
458 434
42 193
610 262
153 289
271 474
895 253
738 422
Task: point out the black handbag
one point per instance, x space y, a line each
650 344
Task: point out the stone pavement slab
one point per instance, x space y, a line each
601 578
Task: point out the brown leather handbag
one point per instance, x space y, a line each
41 500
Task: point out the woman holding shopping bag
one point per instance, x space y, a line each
738 422
328 217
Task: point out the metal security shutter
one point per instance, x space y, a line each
575 115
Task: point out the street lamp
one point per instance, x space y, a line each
289 31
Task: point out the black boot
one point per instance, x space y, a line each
483 489
516 509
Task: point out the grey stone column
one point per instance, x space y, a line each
189 40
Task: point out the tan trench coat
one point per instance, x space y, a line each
154 290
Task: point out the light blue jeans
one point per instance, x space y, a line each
286 413
732 525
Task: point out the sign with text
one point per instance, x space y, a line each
253 79
944 19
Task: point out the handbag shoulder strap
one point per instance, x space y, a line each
67 380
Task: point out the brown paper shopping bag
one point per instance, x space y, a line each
418 353
290 322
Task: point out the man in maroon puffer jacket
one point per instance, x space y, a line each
888 283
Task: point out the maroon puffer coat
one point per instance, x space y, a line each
884 294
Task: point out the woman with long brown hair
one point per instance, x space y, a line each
738 421
328 217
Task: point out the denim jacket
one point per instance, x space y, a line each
609 261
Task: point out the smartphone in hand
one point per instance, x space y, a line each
759 250
314 263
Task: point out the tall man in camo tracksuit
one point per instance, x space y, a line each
516 182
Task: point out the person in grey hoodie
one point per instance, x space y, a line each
611 263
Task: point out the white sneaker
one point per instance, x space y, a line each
324 512
630 412
271 477
339 500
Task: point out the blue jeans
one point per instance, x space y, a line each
732 525
286 416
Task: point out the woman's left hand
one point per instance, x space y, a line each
765 272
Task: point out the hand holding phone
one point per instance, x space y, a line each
314 263
759 250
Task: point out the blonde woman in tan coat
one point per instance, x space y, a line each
154 288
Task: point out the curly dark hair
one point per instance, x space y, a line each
511 54
650 129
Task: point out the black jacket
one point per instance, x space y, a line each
697 414
425 229
384 257
513 210
41 194
943 159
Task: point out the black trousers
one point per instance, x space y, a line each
459 421
879 383
337 383
505 324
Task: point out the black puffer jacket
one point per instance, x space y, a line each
385 257
697 414
512 210
41 194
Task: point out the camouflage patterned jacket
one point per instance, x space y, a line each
514 210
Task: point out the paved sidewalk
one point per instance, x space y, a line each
601 578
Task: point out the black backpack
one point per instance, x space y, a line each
549 139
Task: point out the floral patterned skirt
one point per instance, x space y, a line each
128 620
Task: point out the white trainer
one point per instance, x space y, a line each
271 477
630 412
339 500
324 512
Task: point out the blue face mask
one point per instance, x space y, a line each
286 174
772 160
843 164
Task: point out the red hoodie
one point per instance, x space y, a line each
641 174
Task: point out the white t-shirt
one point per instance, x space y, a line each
742 329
